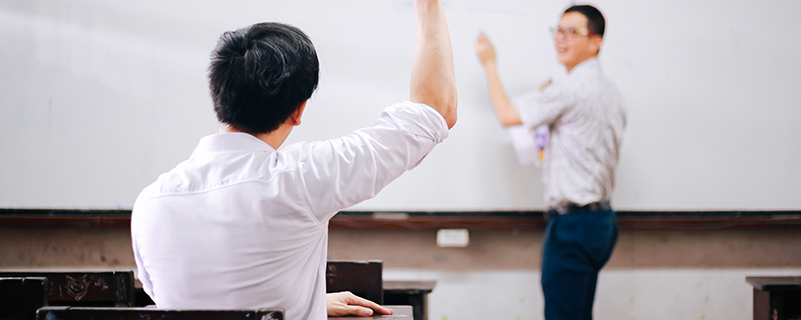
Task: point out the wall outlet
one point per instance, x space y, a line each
453 238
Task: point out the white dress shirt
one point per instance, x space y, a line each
241 225
586 117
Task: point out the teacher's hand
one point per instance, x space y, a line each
485 50
344 303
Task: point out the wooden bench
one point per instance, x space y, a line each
79 313
21 297
776 298
88 289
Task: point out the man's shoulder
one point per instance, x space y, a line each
162 184
203 173
592 84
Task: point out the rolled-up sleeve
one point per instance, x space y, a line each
339 173
544 107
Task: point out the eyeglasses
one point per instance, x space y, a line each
570 34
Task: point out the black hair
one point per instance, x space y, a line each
595 20
260 74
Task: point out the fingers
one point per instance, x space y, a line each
346 310
484 49
482 42
337 305
348 304
367 303
483 39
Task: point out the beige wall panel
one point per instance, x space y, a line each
405 249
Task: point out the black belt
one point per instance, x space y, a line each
574 208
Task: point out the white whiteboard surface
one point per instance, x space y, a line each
100 97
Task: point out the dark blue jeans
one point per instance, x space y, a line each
577 245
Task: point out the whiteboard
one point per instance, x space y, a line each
100 97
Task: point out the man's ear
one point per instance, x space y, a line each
295 117
595 44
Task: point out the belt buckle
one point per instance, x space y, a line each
598 206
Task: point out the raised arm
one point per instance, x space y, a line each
433 79
506 112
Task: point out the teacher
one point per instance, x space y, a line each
585 118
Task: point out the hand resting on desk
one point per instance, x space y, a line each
344 303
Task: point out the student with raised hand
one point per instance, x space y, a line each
241 224
585 117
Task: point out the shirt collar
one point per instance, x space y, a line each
586 65
230 141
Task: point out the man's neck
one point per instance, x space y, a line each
570 68
274 138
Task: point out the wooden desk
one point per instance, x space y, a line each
413 293
77 313
776 298
399 293
398 313
362 278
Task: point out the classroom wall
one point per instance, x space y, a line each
100 97
652 274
